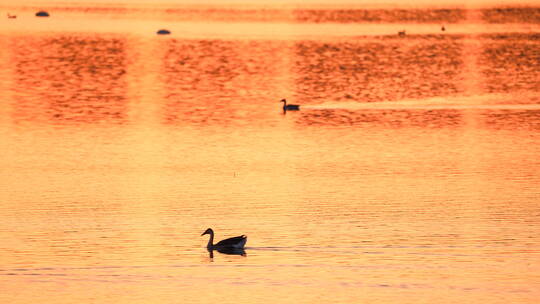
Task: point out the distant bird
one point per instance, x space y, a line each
10 16
230 245
401 33
163 32
443 28
289 107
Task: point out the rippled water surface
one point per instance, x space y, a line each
409 175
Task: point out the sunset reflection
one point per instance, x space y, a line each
392 69
511 66
70 79
407 172
221 82
385 118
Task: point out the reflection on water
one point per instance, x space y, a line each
69 79
410 173
528 120
511 63
378 70
385 118
381 15
511 15
294 13
240 252
222 82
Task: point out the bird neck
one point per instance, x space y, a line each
210 241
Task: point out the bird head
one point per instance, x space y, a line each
283 100
208 231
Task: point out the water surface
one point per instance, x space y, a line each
409 175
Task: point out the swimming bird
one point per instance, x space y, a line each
10 16
402 33
289 107
230 245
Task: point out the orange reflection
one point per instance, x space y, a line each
384 118
393 183
67 79
222 82
367 71
510 63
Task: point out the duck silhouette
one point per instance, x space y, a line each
234 245
289 107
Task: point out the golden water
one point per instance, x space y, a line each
410 174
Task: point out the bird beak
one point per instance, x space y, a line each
204 233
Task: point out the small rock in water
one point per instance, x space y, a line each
163 32
42 14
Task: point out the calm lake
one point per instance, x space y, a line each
411 173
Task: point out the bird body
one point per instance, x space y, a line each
227 245
234 242
289 107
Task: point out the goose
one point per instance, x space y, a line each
230 245
289 107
